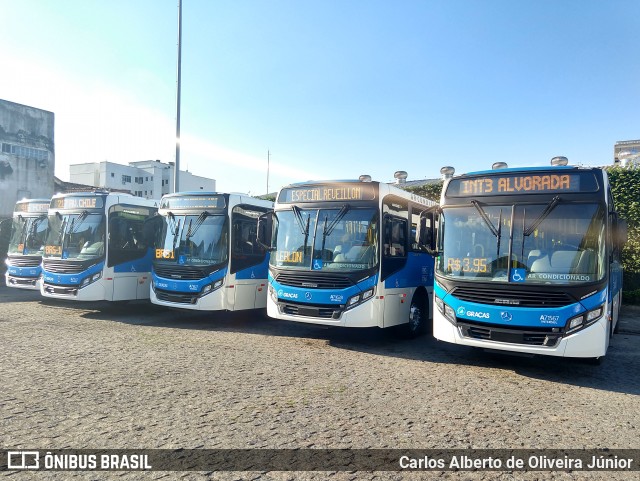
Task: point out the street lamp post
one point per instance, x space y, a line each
176 173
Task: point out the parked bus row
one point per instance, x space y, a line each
526 260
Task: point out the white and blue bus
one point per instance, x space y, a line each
207 256
343 254
28 231
529 260
98 247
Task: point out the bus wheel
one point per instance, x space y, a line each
417 324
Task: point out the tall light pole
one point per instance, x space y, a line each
268 159
176 173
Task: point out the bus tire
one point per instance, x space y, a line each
418 318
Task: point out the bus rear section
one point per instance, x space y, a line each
529 261
207 256
26 244
98 247
343 254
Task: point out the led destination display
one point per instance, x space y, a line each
509 184
69 203
195 202
32 207
328 193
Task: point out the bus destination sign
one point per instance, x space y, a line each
194 202
32 207
328 193
77 202
511 184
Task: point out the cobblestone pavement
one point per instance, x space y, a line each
138 376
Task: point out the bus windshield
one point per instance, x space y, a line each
340 238
77 236
554 243
28 235
195 240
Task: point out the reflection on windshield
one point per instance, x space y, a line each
75 236
563 243
28 235
195 240
326 239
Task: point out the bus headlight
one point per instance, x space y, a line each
212 287
584 320
360 298
446 310
273 294
90 279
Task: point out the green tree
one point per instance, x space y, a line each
430 191
625 187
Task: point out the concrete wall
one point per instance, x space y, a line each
27 154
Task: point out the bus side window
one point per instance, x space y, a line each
245 250
395 237
126 238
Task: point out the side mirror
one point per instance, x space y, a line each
264 234
426 231
151 230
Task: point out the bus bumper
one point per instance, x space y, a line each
214 301
363 315
589 342
31 283
91 292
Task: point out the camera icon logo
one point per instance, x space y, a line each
23 460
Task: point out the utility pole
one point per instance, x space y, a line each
176 173
268 159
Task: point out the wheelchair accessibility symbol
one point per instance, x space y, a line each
317 265
518 275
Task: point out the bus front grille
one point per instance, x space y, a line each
63 267
322 312
177 297
544 337
185 273
312 280
513 297
26 261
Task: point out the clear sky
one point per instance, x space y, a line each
332 88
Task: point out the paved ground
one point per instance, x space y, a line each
137 376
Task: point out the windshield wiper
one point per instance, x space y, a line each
33 227
199 221
552 205
496 232
63 228
486 219
303 227
77 222
23 229
328 229
298 214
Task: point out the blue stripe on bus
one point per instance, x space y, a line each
519 316
177 285
418 271
321 296
71 279
24 271
138 265
255 272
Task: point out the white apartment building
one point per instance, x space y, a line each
150 179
